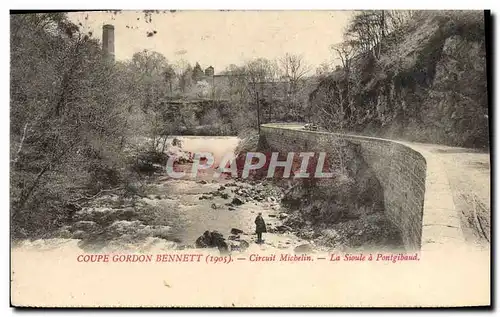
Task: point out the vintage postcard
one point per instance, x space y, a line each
165 158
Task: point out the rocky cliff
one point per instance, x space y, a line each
429 83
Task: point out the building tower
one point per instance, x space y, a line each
209 71
108 41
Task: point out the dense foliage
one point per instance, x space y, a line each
423 79
77 117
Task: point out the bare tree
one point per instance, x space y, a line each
397 19
344 52
368 28
294 69
323 69
258 72
332 105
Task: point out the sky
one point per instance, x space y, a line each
221 38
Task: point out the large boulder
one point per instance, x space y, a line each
236 231
283 229
240 245
212 239
237 201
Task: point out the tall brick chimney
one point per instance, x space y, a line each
108 41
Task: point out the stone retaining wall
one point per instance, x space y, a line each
400 169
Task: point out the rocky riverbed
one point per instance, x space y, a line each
208 212
177 212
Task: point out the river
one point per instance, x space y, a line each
179 210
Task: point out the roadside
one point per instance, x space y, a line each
469 176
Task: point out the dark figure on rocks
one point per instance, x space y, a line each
260 227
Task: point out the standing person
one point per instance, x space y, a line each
260 227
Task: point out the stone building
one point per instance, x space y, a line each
209 71
108 41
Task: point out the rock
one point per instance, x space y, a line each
234 237
64 233
234 245
304 248
237 201
203 182
283 228
236 231
272 215
240 245
282 215
232 208
211 240
258 198
221 188
271 199
244 245
215 206
125 214
85 225
307 234
224 195
79 234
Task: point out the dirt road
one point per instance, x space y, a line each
469 173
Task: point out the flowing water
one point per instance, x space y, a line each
194 216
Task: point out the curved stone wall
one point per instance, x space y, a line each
403 173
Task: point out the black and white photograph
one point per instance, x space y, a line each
229 158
